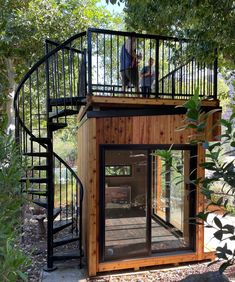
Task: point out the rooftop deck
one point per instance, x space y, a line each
85 71
91 63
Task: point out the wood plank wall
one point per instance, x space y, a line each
124 130
148 130
87 171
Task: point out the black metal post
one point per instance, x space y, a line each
89 52
50 177
157 68
85 70
80 223
168 192
149 205
17 125
50 199
173 85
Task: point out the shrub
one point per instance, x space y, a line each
223 175
12 259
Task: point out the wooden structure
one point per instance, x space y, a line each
134 212
145 125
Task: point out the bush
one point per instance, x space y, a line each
222 175
12 259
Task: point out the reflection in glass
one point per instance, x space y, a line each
146 203
170 201
125 204
118 170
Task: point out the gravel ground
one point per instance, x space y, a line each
34 245
171 274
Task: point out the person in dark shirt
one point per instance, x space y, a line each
147 77
129 64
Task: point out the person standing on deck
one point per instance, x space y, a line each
147 77
129 64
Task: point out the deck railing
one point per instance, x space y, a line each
92 65
174 75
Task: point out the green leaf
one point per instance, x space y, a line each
22 275
191 125
232 117
218 222
214 145
224 266
193 115
225 203
232 144
208 165
220 201
190 104
218 235
203 215
229 227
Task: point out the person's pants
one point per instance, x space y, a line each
146 90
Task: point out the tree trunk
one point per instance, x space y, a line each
9 62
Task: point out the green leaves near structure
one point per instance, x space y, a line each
221 175
196 119
218 186
12 259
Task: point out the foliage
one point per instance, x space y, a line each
27 24
67 136
172 167
24 26
209 24
230 209
223 94
222 174
12 260
117 170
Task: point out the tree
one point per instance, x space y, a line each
209 24
25 25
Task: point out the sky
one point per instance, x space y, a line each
112 8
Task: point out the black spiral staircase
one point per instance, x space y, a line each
45 99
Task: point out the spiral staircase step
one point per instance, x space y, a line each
67 239
61 113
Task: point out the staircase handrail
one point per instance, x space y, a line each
24 79
175 70
42 60
52 42
59 158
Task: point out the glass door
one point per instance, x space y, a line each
171 201
125 203
146 202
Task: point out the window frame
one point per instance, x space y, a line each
192 200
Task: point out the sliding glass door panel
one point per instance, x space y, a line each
125 203
170 200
